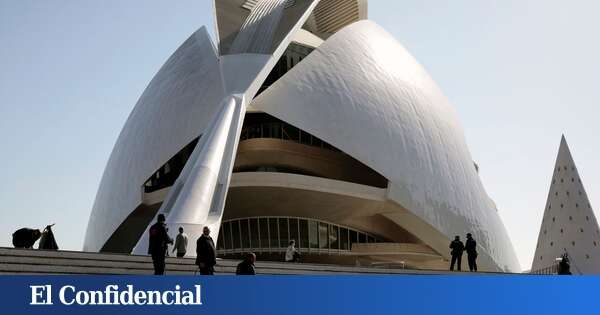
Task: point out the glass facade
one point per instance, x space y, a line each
282 131
272 234
254 234
323 241
166 175
291 57
264 126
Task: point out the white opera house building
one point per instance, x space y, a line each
303 121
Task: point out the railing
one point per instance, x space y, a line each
283 131
550 270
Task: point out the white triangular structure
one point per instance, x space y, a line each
569 224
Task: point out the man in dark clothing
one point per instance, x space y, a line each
457 251
25 237
471 249
47 241
246 267
564 267
206 258
159 238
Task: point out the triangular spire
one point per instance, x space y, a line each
569 224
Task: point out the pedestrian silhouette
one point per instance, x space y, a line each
158 244
47 241
457 250
181 242
246 267
206 258
564 266
291 253
471 249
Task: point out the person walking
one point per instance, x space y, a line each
246 267
457 250
471 249
206 258
291 253
181 242
158 244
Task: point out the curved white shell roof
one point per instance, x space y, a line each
364 93
175 108
360 91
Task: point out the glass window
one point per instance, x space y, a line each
370 239
290 133
254 132
264 233
303 234
272 130
362 238
344 245
273 233
220 239
353 238
323 233
317 142
244 134
313 234
254 233
294 231
235 228
333 237
245 234
227 235
283 233
305 138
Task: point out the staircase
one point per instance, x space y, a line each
31 261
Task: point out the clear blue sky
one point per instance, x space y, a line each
520 73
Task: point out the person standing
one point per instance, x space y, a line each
564 267
206 257
471 249
246 267
457 250
181 242
158 244
291 253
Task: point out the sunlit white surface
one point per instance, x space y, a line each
175 108
364 93
360 91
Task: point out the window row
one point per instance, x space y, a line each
565 168
276 233
166 175
283 131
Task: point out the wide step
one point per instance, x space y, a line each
29 261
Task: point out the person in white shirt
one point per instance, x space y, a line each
292 254
181 243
